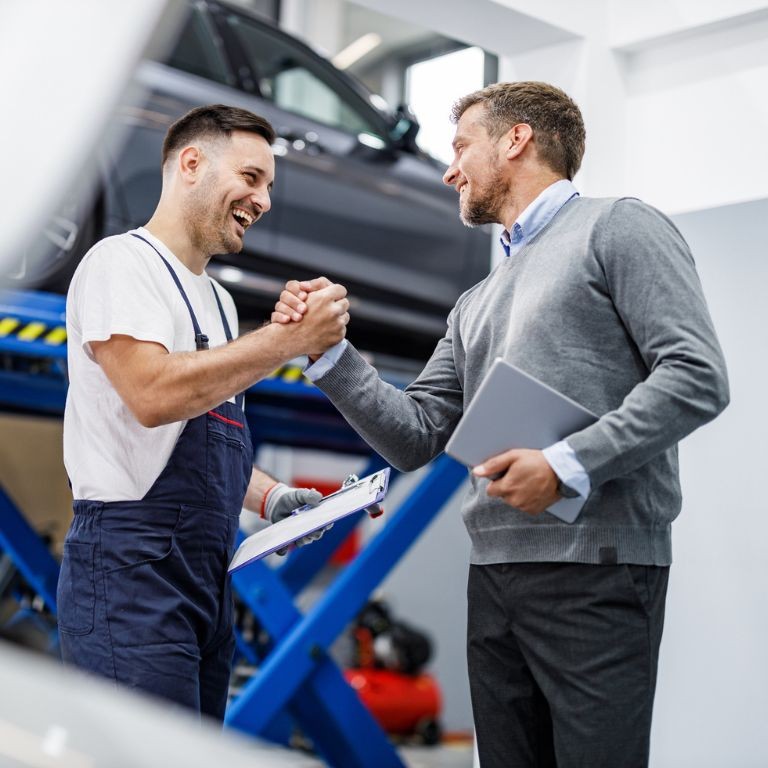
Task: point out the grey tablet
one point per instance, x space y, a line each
514 410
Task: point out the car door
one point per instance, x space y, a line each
354 207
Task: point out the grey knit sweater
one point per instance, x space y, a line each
605 306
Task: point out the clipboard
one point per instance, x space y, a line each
512 409
305 520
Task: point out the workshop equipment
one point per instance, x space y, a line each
296 683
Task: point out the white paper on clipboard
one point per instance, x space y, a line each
346 501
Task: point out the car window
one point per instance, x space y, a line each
197 50
294 81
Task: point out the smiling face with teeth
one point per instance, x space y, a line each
231 192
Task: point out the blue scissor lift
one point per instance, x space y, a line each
296 683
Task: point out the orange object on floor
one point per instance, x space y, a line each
403 705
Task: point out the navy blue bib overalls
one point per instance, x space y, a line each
143 596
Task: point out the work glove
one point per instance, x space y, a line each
280 502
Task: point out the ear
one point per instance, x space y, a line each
189 162
516 139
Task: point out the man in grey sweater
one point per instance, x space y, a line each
599 299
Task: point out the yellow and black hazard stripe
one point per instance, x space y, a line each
12 327
291 374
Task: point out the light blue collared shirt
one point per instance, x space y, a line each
323 364
537 215
532 220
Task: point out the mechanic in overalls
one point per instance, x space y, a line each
156 444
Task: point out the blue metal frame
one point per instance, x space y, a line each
28 552
297 682
299 660
334 702
305 563
34 306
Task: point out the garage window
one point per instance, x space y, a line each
432 85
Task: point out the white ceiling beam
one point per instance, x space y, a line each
487 23
634 25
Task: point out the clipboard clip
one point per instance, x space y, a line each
375 483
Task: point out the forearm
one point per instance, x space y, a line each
187 384
407 428
159 387
258 486
672 402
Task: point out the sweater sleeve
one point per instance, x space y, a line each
407 427
652 281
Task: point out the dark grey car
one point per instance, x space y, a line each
354 198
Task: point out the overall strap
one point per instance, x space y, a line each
227 332
239 399
201 340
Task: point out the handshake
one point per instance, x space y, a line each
313 315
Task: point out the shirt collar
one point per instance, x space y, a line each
537 215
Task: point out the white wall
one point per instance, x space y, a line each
712 699
697 118
639 23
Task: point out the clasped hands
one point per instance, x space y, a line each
325 305
522 478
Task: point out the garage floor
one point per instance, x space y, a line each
446 756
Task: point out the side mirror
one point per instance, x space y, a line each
405 129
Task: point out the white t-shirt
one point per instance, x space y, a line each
123 287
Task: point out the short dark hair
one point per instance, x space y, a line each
558 127
213 121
